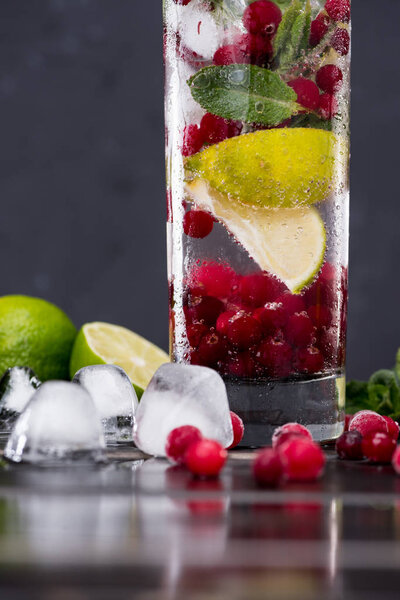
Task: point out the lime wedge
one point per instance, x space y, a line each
289 242
102 343
273 168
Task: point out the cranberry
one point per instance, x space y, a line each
215 278
212 348
378 447
328 106
195 332
338 10
258 48
299 329
307 92
329 78
366 421
340 41
241 364
276 355
215 129
230 54
323 290
179 440
223 321
309 360
205 458
197 223
280 434
182 2
238 430
271 317
302 459
320 315
243 330
192 140
205 309
396 460
258 288
393 427
348 445
267 467
263 17
291 303
319 28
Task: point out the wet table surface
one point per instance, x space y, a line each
142 529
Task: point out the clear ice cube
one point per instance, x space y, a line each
59 424
17 387
115 399
178 395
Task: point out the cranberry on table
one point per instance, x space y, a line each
309 360
340 41
338 10
367 421
198 224
396 460
238 430
262 17
307 92
348 445
393 427
319 27
192 140
378 447
328 106
280 434
267 467
329 78
205 458
302 459
243 330
179 440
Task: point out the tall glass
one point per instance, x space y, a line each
257 153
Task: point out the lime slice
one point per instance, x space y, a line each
289 242
102 343
272 168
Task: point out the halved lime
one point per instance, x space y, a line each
102 343
289 242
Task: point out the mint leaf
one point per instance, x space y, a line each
310 120
285 27
244 93
291 40
357 396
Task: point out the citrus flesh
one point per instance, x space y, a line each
104 343
273 168
288 242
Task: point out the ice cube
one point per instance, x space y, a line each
178 395
17 387
59 424
115 399
199 31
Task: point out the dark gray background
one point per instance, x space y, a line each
81 166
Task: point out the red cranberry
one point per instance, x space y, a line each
205 309
262 17
197 224
338 10
216 279
271 317
267 467
291 303
319 28
243 330
396 460
393 428
280 434
320 315
238 430
258 48
182 2
241 364
258 288
347 419
195 332
223 321
179 440
378 447
328 106
329 78
348 445
205 458
307 92
299 329
212 348
309 360
340 41
215 129
231 54
302 459
323 290
192 140
328 343
276 355
367 421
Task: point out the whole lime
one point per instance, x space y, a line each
36 334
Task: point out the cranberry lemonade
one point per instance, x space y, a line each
257 115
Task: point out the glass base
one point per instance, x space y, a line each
266 404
